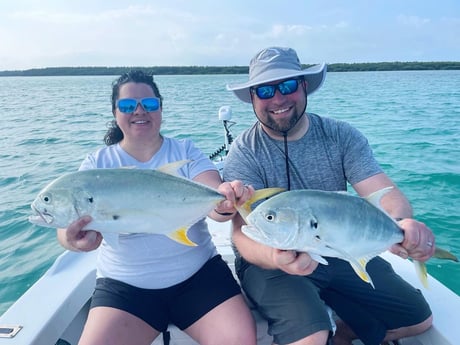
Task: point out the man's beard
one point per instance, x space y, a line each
283 125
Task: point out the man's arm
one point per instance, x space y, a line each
418 240
394 202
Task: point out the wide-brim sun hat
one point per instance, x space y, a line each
278 63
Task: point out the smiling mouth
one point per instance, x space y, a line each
280 111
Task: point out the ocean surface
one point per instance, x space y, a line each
49 124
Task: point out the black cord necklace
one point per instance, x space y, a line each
286 157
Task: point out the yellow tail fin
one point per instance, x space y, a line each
444 254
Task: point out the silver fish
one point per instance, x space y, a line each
334 224
123 200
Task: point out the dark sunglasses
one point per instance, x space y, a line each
268 91
128 105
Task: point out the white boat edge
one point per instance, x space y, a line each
55 307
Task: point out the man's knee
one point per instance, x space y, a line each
409 331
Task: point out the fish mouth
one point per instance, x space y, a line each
254 233
40 217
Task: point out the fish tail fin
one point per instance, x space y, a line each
420 269
180 236
359 266
259 194
440 253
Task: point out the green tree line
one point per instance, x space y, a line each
181 70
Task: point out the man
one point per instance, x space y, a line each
288 147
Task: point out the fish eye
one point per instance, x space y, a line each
271 216
46 198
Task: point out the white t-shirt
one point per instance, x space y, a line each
152 261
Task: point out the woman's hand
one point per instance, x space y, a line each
76 239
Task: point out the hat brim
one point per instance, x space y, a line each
314 76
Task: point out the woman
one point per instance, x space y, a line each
149 280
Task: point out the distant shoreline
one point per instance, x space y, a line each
181 70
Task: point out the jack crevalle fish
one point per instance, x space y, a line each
124 200
334 224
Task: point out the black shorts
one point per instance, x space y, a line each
181 304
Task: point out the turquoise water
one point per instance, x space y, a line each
48 124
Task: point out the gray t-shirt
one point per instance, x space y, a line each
328 156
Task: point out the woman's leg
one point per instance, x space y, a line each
229 323
110 326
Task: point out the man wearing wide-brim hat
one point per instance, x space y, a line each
276 63
290 148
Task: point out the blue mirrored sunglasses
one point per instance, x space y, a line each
268 91
128 105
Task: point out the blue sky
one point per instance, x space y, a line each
53 33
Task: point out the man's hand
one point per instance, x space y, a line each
418 243
236 193
293 262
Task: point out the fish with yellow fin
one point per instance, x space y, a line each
330 224
122 200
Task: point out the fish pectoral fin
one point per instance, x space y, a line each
171 168
112 239
245 209
180 236
318 258
359 266
422 274
440 253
